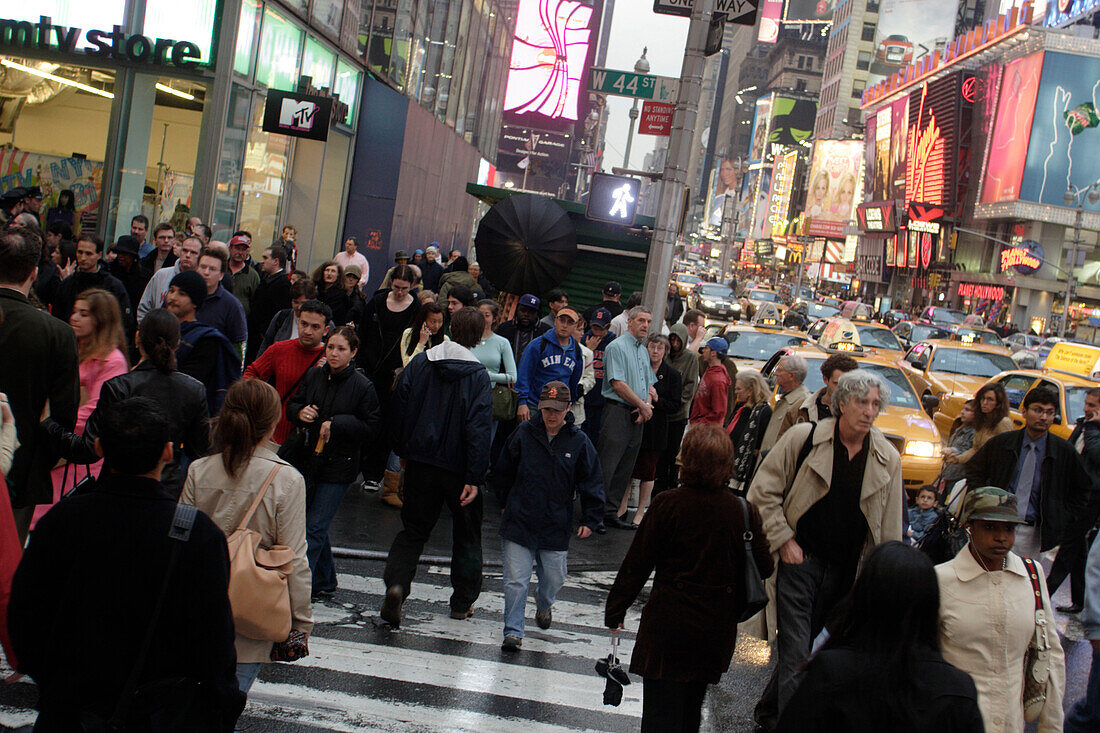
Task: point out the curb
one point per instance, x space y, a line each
355 554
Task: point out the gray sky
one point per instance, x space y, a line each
634 26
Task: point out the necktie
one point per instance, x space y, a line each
1024 482
1080 444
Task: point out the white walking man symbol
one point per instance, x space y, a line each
622 198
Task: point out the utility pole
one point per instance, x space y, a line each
670 208
641 66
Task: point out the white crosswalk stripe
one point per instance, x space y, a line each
436 673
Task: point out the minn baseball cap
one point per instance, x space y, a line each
555 396
719 345
990 504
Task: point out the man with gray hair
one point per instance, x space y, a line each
826 493
628 403
790 373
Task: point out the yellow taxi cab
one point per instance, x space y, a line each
751 344
952 371
903 420
685 281
983 336
1071 370
871 335
751 299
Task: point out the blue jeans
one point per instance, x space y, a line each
393 463
551 568
321 504
246 675
1084 716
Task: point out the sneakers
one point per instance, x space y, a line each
322 595
544 618
370 486
511 644
391 606
462 613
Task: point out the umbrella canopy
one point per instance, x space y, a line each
526 244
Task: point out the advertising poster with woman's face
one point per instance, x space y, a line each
725 183
744 207
835 186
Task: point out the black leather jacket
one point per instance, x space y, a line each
183 400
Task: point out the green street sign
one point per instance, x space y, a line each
629 84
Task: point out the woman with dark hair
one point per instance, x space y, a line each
380 324
694 538
335 411
101 348
328 278
991 419
881 668
428 327
181 398
65 211
495 352
225 486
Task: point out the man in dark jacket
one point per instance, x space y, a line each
1051 484
525 327
270 297
39 366
204 352
612 291
430 269
127 269
548 460
90 273
441 416
1073 553
81 662
162 255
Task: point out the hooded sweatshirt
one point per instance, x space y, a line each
546 360
686 362
441 412
710 403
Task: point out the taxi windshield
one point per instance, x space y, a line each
922 331
765 295
901 392
758 345
986 337
821 310
714 290
970 361
878 338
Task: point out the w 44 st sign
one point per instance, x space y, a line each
740 12
630 84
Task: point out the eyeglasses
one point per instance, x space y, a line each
1043 413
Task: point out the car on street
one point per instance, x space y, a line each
903 420
751 344
752 298
872 336
910 332
944 317
1021 341
983 336
685 281
715 301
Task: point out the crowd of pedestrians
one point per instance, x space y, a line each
260 395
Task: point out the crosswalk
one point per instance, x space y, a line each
435 673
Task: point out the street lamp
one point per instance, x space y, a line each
641 66
1075 194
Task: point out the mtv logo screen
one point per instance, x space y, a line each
298 115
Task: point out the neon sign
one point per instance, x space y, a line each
549 53
876 217
988 292
1022 259
782 178
924 175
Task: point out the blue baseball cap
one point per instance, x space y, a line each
719 345
602 317
530 301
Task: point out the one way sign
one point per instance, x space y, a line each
741 12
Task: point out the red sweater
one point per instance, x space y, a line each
287 361
710 400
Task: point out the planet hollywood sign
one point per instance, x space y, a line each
1025 260
974 290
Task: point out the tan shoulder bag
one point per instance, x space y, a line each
258 591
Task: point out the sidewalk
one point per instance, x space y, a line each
364 523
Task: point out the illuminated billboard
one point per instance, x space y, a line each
780 122
886 135
809 11
1064 150
835 186
909 30
550 59
1004 170
760 128
779 198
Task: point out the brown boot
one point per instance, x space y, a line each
391 482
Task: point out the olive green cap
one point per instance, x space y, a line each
990 504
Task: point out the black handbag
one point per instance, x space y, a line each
755 597
172 705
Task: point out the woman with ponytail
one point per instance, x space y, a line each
224 486
181 398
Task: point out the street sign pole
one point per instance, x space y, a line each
670 208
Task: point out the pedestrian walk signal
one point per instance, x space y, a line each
613 199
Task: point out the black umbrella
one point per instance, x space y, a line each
526 244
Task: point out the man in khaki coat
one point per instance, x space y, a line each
790 373
823 514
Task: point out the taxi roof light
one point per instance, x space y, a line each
855 311
767 316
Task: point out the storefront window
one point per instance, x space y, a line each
280 44
263 178
192 21
318 63
330 198
246 37
227 195
348 81
301 6
326 15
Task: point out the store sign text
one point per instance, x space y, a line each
45 36
973 290
1023 259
